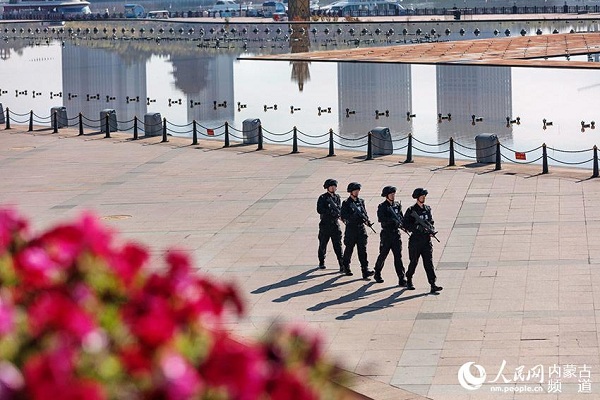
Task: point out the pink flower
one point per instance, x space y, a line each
239 368
11 225
37 268
181 379
7 316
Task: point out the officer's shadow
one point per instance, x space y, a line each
293 280
361 293
394 298
319 288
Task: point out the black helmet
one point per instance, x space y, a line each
418 192
329 182
353 186
387 190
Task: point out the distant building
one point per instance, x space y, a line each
47 6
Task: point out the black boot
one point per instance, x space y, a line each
409 284
321 265
347 271
366 274
342 269
435 289
402 282
378 277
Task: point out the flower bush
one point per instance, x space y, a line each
82 317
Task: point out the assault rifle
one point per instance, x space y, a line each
362 215
396 218
334 207
426 225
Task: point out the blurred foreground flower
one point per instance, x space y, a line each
84 318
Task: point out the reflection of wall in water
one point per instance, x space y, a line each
95 71
206 79
464 91
367 87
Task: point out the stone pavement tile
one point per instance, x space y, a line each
410 358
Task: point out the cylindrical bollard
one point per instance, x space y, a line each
498 156
135 128
7 118
106 126
80 124
55 122
295 141
409 158
226 134
451 157
30 120
595 173
331 150
195 133
369 147
164 133
544 159
260 137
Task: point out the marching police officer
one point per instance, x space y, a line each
354 214
389 214
418 220
328 207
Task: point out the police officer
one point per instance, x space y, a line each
354 214
389 214
328 207
419 244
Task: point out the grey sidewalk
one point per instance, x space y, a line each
517 258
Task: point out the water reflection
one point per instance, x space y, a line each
183 79
467 91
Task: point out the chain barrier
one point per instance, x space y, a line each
99 123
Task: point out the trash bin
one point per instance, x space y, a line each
112 120
250 130
2 121
61 116
381 141
485 147
152 124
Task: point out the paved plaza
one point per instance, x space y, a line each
519 256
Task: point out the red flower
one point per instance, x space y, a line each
48 375
11 225
287 386
128 261
37 268
137 360
150 319
239 368
54 310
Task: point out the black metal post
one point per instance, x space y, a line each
55 122
451 162
30 120
106 126
195 133
164 135
369 147
331 150
409 158
295 141
260 137
498 156
544 159
80 124
135 128
7 118
226 134
595 173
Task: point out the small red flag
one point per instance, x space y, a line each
210 132
520 156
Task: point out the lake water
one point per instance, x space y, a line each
183 75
